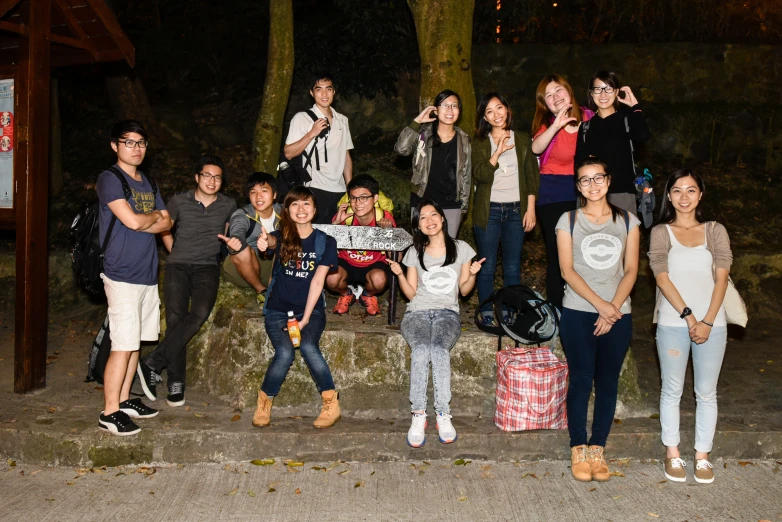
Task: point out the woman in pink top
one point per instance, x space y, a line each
555 130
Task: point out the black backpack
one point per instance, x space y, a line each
99 354
87 251
293 172
522 314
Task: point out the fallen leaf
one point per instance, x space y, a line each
461 462
592 489
296 417
99 388
233 492
655 515
120 474
725 465
358 484
318 468
227 467
199 415
617 497
151 492
298 491
11 420
49 500
262 462
11 463
70 483
271 490
374 472
662 481
344 471
250 493
654 416
744 463
617 474
293 464
462 499
187 408
617 421
236 418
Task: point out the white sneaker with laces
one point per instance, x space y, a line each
445 428
416 435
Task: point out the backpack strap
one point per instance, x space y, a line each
128 194
320 244
585 126
314 150
572 218
626 215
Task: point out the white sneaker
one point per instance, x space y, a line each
445 428
416 435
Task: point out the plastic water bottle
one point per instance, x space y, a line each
293 330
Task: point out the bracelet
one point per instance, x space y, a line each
710 325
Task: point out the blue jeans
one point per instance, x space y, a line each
504 227
431 334
673 347
278 368
593 359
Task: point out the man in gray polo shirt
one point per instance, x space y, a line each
192 275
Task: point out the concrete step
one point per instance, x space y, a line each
72 438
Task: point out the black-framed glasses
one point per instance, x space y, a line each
359 199
599 180
597 90
208 177
132 144
453 106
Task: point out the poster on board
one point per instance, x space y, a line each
6 143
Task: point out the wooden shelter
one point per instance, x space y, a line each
36 35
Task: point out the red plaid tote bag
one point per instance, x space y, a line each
531 390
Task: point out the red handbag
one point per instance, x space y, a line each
531 390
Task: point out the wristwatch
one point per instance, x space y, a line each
685 312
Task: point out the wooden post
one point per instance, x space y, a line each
31 174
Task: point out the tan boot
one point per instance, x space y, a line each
330 413
263 414
579 464
598 464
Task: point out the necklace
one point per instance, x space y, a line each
597 218
685 228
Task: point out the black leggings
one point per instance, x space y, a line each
548 215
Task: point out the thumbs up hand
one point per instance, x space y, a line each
475 267
263 240
234 244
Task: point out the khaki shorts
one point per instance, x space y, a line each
231 274
134 314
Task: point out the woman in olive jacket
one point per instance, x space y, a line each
506 177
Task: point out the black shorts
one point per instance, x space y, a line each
357 275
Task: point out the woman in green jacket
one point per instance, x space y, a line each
506 177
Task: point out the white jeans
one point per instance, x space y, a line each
134 314
673 347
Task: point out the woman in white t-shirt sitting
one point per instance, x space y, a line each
439 268
691 259
598 248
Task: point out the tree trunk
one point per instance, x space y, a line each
267 137
444 29
129 101
55 140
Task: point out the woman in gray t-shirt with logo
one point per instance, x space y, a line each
439 268
598 248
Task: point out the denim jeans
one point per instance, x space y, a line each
278 368
504 226
431 334
673 347
189 293
593 359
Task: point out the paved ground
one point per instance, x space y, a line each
386 491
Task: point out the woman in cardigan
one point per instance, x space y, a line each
690 258
506 184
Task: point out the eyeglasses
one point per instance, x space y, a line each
454 106
359 199
209 177
597 90
599 180
132 144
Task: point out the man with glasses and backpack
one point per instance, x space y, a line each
131 213
319 140
192 275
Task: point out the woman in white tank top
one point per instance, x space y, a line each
691 260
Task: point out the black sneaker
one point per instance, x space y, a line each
176 394
118 423
149 380
137 409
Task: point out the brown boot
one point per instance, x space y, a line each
263 414
330 413
579 465
598 464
